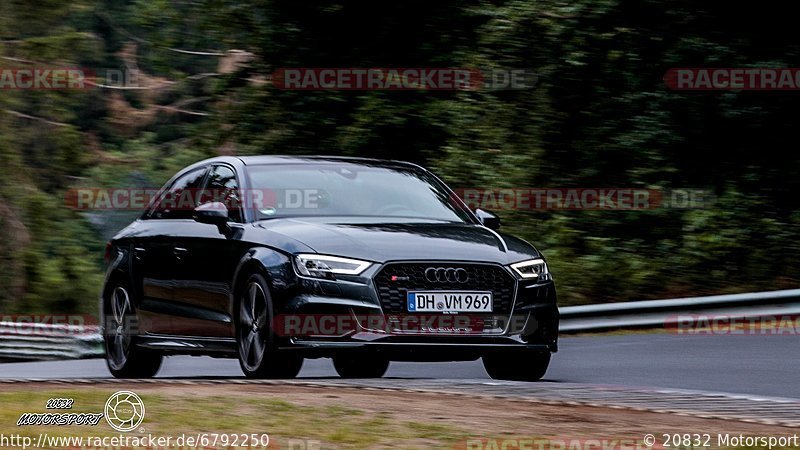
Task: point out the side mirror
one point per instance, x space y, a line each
488 219
214 213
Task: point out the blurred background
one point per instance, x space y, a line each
600 116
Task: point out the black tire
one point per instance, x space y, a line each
362 366
259 356
517 366
123 358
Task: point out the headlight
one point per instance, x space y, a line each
532 269
324 266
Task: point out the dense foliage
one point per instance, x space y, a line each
600 116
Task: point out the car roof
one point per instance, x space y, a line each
315 159
287 159
258 160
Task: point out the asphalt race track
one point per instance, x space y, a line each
763 365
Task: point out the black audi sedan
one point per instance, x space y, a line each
273 259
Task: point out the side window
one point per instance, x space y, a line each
221 186
179 201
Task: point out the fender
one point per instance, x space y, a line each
118 267
273 265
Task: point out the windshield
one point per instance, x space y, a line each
345 189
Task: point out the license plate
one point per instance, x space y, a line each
449 301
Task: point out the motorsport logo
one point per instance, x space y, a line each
124 411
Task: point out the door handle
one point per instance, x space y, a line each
138 253
179 253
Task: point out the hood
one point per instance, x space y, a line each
382 242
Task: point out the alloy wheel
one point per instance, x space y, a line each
253 326
119 339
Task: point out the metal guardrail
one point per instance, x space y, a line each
667 313
43 342
36 342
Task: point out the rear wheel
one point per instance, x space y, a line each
123 358
258 353
517 366
363 366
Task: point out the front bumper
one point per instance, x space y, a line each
415 348
531 324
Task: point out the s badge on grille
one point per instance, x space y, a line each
397 278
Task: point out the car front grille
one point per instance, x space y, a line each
411 277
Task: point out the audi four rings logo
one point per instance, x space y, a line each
446 275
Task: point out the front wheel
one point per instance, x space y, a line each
123 358
517 366
258 353
366 366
